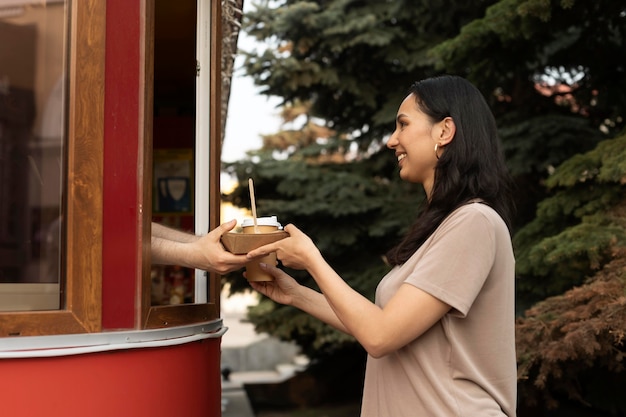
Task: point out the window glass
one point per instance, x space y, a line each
32 136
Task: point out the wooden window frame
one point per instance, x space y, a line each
82 284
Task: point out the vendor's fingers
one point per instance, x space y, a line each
225 227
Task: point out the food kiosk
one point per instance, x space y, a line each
109 119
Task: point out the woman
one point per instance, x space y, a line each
440 336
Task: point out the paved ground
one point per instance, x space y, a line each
234 400
240 334
235 403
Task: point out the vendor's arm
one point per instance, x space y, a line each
167 233
173 247
409 314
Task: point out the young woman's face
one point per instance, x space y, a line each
414 144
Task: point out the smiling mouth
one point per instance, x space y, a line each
401 157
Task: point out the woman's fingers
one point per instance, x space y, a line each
263 250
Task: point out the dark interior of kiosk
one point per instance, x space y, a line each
174 137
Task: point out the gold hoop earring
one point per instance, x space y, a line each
436 149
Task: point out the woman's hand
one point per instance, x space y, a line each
283 289
296 251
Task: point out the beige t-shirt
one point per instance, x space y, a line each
465 364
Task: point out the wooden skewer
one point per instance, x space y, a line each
253 204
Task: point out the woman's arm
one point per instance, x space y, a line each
408 314
380 331
285 290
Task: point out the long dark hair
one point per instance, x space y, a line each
471 166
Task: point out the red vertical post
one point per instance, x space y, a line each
121 238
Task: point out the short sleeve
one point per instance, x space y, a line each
455 261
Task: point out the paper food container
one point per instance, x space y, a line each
240 243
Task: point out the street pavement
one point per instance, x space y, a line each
235 403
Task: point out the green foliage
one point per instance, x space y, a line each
536 145
605 165
577 229
353 60
531 38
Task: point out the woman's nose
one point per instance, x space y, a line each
392 141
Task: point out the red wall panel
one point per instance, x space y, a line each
170 381
121 236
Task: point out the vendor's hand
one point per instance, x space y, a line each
211 254
296 251
282 290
